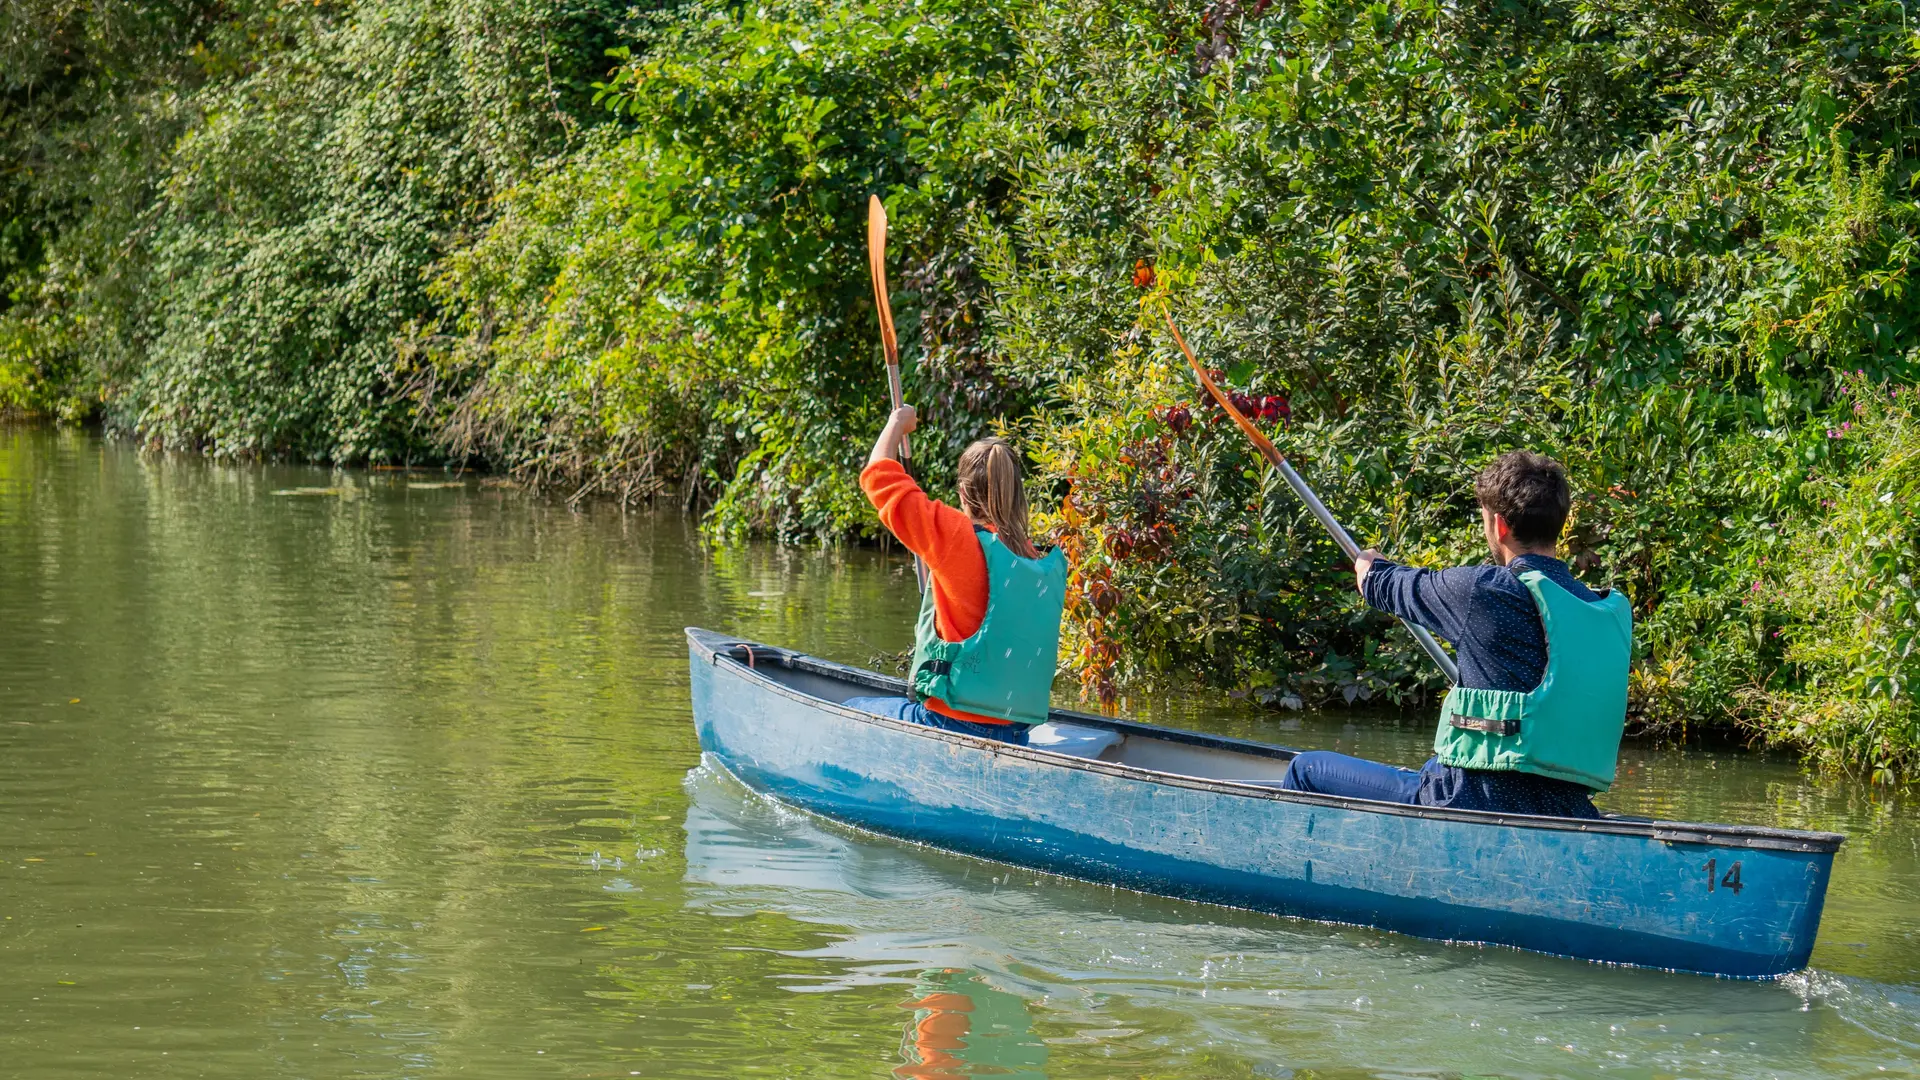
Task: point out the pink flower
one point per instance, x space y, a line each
1756 586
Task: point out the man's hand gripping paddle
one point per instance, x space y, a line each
1300 488
877 267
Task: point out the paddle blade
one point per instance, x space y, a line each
1260 441
877 267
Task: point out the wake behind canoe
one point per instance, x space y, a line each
1196 817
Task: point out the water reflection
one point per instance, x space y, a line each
962 1026
1103 974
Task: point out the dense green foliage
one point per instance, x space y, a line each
690 303
1841 595
1666 242
1641 240
229 267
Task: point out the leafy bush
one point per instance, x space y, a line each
1842 595
1646 245
1645 237
689 303
252 302
553 361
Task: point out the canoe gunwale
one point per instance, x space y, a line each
712 646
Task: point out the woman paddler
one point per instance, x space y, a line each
988 639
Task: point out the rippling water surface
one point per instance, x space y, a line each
323 774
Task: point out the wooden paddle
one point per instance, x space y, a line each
1300 488
877 268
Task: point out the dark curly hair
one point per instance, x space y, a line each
1530 491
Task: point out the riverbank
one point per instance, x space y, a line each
1672 254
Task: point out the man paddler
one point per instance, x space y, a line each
1534 725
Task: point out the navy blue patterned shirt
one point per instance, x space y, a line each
1488 615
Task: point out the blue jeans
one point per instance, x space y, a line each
1328 773
1437 785
913 712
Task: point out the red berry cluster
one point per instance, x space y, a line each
1148 542
1273 407
1178 418
1104 596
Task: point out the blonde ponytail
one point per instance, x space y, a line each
990 491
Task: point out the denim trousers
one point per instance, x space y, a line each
913 712
1329 773
1435 784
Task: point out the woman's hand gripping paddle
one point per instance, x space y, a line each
1300 488
877 267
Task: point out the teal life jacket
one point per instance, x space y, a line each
1569 726
1006 668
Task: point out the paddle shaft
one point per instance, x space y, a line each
893 387
1314 506
1319 510
889 344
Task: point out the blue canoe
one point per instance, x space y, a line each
1197 817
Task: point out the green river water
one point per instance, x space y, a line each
344 774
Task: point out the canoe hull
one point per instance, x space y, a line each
1733 910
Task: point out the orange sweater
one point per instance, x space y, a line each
943 538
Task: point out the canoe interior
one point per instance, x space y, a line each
1139 747
1240 766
